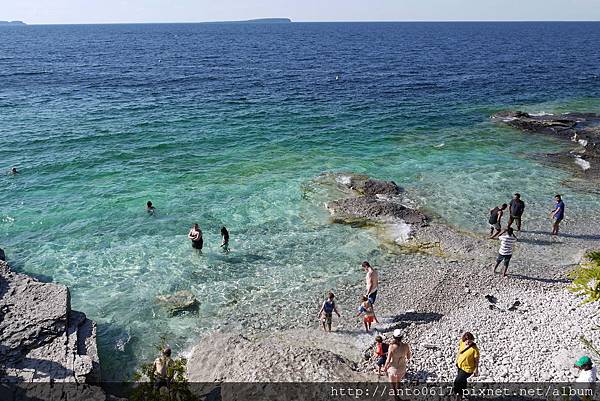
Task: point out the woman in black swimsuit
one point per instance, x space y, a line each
195 236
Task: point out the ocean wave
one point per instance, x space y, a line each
25 73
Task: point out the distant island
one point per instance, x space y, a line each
259 21
3 23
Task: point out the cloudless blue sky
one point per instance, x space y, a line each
109 11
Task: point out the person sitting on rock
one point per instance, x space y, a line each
366 308
163 369
495 220
381 352
326 311
587 372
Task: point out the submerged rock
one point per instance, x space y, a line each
370 200
179 302
581 128
371 207
41 338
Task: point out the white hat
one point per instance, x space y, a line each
397 333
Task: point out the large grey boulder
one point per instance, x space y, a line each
41 338
288 356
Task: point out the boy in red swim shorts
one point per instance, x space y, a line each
366 307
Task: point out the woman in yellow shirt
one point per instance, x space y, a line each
467 362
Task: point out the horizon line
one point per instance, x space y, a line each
253 21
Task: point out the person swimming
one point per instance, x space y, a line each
225 239
13 171
150 208
195 235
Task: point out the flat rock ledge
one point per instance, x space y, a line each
41 338
581 128
370 199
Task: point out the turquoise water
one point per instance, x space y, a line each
228 125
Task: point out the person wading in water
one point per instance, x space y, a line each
195 235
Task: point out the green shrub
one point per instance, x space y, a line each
586 279
144 379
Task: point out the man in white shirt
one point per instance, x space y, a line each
507 243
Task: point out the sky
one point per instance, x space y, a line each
123 11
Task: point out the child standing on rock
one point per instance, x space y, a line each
366 308
381 352
326 311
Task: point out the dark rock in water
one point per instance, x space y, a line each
370 207
370 200
582 128
2 255
41 338
180 302
371 187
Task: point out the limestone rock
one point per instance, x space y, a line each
370 207
41 338
581 128
179 302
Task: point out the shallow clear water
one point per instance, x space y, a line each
226 125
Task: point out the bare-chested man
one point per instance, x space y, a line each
398 355
372 280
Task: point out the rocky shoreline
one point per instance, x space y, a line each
42 338
437 286
583 129
527 325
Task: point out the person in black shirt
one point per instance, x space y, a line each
517 206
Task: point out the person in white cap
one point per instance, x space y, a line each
398 355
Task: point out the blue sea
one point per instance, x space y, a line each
227 124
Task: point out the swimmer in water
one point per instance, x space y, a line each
225 241
149 208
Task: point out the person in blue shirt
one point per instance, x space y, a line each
558 214
326 311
